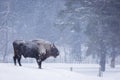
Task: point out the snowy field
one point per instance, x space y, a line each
56 71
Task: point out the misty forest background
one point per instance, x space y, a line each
85 31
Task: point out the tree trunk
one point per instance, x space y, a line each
102 61
113 61
102 56
6 48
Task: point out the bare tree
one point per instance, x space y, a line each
4 27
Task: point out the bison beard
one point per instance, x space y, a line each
40 50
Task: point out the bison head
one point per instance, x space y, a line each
54 51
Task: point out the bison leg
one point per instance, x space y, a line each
19 62
39 62
14 58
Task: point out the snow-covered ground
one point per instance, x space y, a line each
56 71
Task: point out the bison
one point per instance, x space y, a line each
38 49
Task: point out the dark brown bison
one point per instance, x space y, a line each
38 49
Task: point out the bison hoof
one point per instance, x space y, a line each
39 67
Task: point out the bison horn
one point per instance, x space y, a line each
53 45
